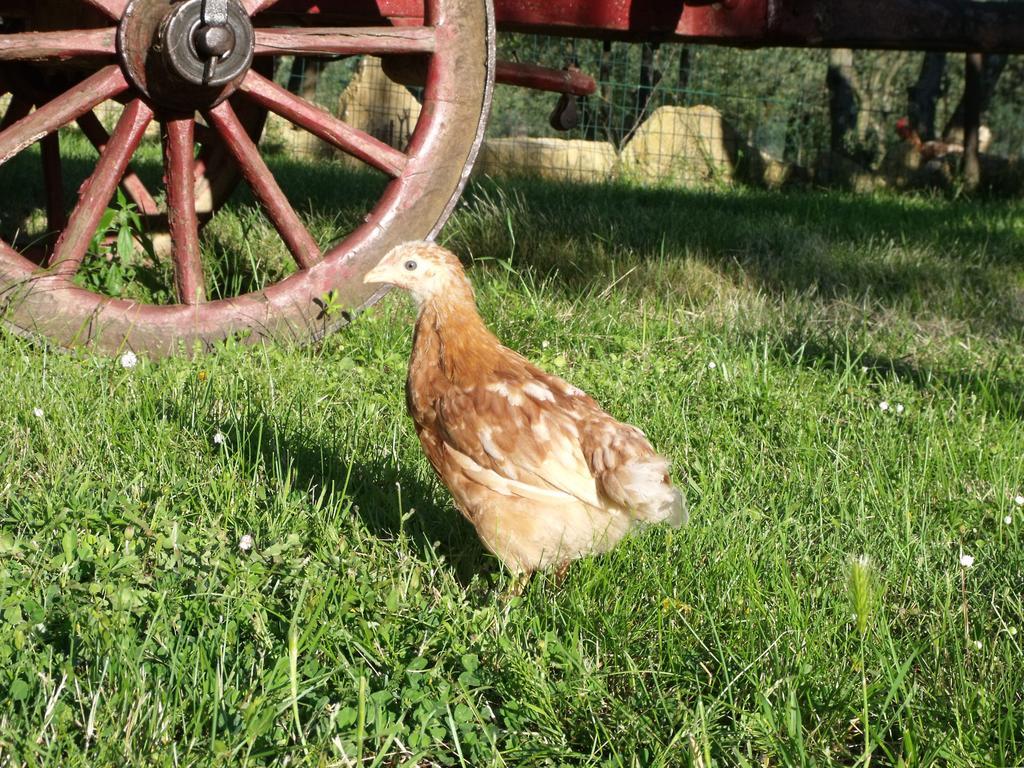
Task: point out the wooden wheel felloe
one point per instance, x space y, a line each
214 93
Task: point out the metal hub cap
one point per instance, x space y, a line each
186 55
207 49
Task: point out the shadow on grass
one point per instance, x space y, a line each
312 184
783 241
921 257
681 218
327 190
823 245
377 490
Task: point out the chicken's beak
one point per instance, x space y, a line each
379 274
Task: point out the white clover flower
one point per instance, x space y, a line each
712 365
1018 500
545 344
38 413
1008 519
245 543
966 560
977 644
899 407
129 359
884 405
219 438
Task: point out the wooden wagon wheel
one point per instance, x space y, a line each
134 51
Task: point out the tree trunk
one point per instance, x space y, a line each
992 67
972 120
843 100
683 79
649 78
924 94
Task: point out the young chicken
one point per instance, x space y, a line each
543 474
930 150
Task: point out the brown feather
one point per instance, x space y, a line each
543 473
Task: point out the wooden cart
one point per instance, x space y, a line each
202 70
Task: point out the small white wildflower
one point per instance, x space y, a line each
884 405
40 628
37 412
977 644
966 560
545 344
1012 631
245 543
899 407
863 369
1018 500
219 438
712 365
1008 519
129 359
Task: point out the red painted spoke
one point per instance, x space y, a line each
60 46
97 191
323 124
16 110
53 178
113 8
328 41
71 104
131 183
280 212
179 144
252 7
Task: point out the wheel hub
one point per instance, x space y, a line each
186 55
204 51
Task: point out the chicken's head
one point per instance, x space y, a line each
426 270
903 129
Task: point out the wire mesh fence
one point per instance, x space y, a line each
697 115
692 114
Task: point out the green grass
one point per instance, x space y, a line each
368 627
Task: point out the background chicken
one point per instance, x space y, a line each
934 150
542 473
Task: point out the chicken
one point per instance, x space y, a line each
936 150
930 150
541 471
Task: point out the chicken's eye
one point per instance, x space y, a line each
410 265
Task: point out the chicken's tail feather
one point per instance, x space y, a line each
643 486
